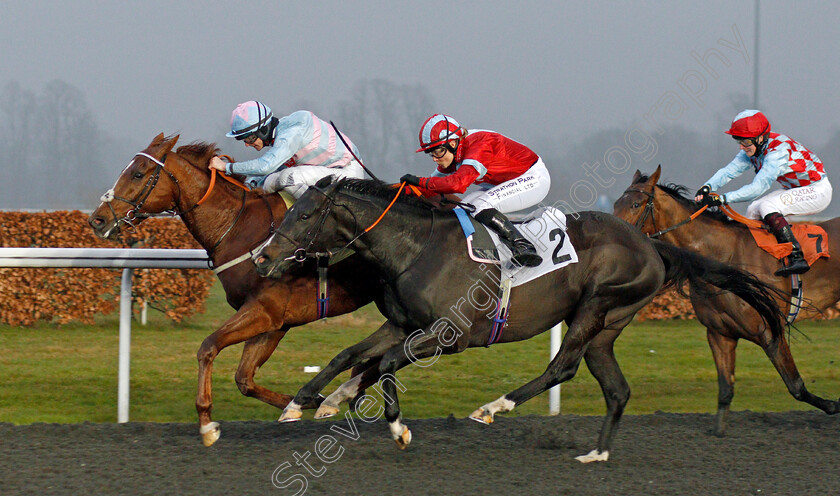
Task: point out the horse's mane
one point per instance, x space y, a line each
679 193
381 190
198 151
198 154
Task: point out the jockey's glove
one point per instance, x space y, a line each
410 179
714 200
705 190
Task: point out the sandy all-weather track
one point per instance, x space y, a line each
794 453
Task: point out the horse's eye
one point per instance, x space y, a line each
304 216
138 175
637 205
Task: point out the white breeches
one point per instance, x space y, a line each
519 193
296 180
805 200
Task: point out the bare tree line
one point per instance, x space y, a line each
56 157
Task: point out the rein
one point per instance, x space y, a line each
649 212
213 175
732 214
301 254
726 209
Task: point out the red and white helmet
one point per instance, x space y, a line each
437 130
749 124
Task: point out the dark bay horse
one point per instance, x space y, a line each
653 207
228 224
437 300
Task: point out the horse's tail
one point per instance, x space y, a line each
683 265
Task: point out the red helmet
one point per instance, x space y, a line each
749 124
437 130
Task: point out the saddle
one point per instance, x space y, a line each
545 228
480 245
812 238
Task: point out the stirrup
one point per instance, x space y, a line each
525 256
798 266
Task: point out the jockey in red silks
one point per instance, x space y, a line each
301 150
773 157
510 175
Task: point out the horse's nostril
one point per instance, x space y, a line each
261 260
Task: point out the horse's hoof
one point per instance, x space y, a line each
404 440
210 433
482 415
593 456
290 416
326 411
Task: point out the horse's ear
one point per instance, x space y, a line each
654 178
324 182
636 176
157 140
169 144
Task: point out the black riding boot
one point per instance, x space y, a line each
796 263
524 252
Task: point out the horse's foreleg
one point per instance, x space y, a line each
249 321
372 346
350 390
723 352
254 354
415 350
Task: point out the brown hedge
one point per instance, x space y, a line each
77 295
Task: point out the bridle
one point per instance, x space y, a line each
134 215
302 253
304 249
648 212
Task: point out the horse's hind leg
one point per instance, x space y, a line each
563 367
723 352
779 353
600 359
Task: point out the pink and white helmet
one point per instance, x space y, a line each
749 124
248 118
437 130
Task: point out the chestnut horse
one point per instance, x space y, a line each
229 224
653 207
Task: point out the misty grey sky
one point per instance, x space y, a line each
534 70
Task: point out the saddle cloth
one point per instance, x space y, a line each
812 238
544 227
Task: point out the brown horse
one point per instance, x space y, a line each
655 207
229 224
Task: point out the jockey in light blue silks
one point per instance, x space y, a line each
774 157
301 149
